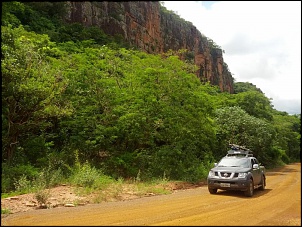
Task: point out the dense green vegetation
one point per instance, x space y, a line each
78 105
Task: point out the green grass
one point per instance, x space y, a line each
10 194
5 211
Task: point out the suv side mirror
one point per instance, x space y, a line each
255 166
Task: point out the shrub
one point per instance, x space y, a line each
42 197
86 175
5 211
23 185
11 175
49 178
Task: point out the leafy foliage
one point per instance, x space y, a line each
31 88
9 12
238 127
86 175
288 137
127 114
244 87
255 104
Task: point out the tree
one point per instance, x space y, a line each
288 128
31 88
9 12
245 86
236 126
255 104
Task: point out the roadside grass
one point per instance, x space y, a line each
89 181
5 211
10 194
119 189
101 189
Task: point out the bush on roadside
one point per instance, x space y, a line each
85 175
42 197
17 176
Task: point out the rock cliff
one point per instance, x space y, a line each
154 29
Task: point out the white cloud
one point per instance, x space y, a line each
261 40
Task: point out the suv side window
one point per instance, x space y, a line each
254 161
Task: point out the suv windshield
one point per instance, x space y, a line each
233 162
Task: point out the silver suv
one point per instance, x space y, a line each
238 170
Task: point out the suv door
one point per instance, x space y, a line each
256 172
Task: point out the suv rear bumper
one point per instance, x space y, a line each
228 184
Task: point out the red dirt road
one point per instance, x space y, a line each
278 205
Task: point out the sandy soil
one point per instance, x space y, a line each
278 205
68 196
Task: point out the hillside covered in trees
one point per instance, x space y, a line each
73 96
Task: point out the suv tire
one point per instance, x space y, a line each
262 186
250 191
212 190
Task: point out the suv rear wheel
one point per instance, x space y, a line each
262 186
250 191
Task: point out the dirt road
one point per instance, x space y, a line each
279 204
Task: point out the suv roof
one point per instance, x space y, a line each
241 151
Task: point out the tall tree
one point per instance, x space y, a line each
236 126
31 88
255 104
288 128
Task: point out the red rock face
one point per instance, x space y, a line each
145 25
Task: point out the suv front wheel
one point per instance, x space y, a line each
250 191
212 190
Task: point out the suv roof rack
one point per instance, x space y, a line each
238 147
237 150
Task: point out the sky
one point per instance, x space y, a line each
261 42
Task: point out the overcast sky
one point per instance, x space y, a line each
261 40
